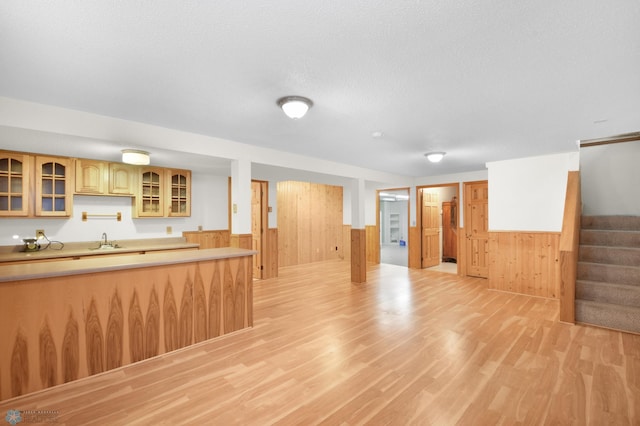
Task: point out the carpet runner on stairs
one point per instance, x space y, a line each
608 284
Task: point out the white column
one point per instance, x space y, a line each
357 204
241 197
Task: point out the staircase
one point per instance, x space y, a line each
608 283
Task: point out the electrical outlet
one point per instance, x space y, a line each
169 230
39 233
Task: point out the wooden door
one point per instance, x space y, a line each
449 231
476 225
256 227
430 229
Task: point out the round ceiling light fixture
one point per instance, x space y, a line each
295 106
135 156
435 157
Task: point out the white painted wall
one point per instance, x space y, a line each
528 194
610 177
208 209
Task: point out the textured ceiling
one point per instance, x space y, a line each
481 80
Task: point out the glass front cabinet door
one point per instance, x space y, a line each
14 184
179 184
150 200
53 186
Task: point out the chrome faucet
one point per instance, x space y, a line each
104 239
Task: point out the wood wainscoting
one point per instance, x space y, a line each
345 253
415 246
270 258
373 243
525 263
244 241
209 238
310 222
59 329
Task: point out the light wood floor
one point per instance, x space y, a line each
407 347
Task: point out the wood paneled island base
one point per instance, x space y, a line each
94 316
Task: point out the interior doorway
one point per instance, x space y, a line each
438 217
393 224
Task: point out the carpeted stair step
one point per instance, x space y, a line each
599 237
630 223
617 294
629 275
616 317
629 256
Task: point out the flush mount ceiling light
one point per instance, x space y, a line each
135 156
295 106
435 157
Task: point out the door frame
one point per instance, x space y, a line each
459 264
263 255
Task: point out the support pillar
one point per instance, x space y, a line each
241 204
358 233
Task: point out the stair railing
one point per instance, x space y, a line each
569 246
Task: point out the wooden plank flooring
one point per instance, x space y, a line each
407 347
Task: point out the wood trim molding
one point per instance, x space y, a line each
569 248
629 137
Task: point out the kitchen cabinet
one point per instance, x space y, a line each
122 179
163 193
179 192
54 186
94 177
151 188
15 174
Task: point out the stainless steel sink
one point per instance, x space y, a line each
106 247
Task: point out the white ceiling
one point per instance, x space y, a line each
482 80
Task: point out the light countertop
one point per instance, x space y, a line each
84 249
95 264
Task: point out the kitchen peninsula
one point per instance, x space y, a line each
64 320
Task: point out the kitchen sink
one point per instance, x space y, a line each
106 247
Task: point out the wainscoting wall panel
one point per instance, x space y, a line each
309 222
345 253
525 262
373 243
209 238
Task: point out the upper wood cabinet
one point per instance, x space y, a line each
91 176
179 192
33 185
54 186
95 177
151 189
15 174
122 179
163 192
